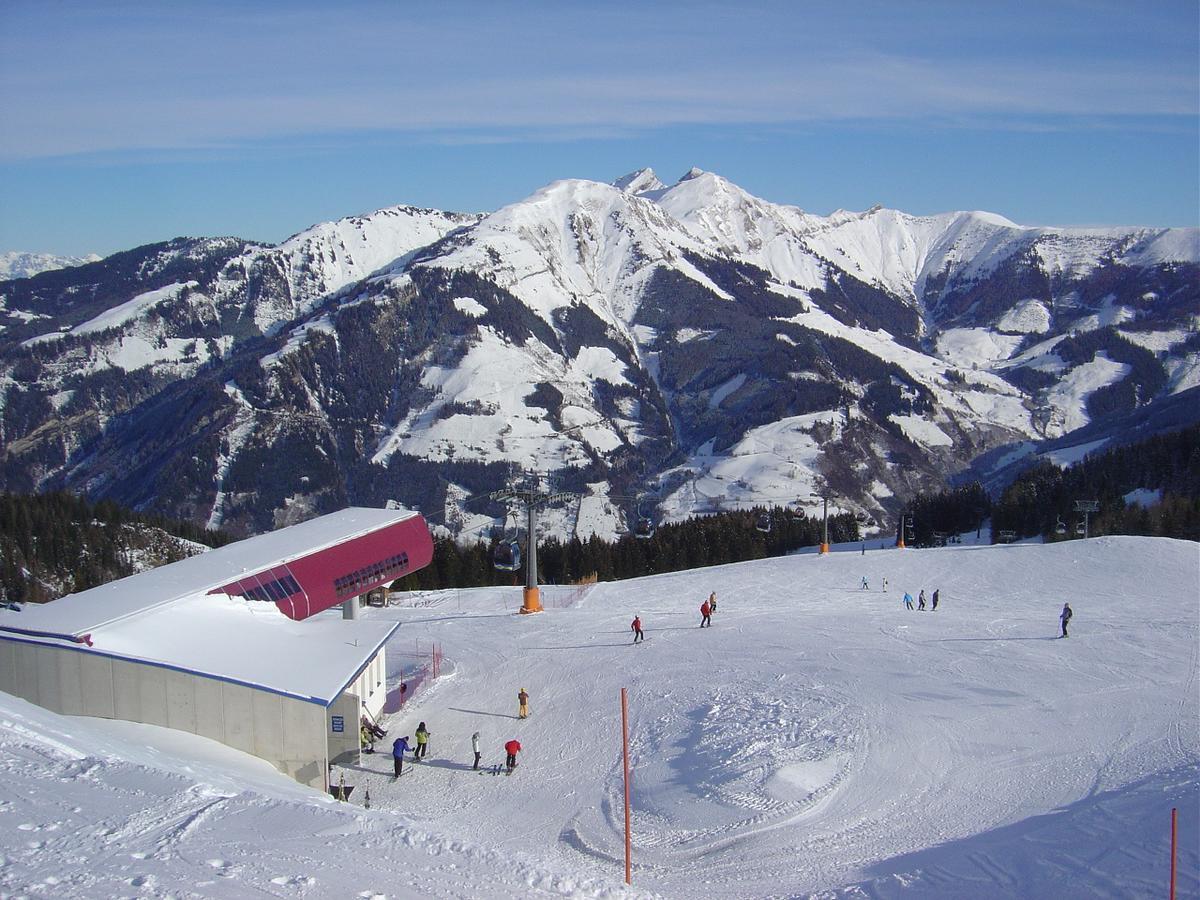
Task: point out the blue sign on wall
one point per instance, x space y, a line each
338 723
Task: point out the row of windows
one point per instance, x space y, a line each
272 591
358 581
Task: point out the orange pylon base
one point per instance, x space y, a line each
824 549
533 601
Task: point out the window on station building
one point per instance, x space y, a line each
270 591
369 576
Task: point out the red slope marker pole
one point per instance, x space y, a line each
1174 819
625 753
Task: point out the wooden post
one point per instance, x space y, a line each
1174 819
625 753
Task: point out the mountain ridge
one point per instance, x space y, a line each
691 343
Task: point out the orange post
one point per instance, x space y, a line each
625 752
1174 819
533 601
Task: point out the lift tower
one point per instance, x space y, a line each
532 489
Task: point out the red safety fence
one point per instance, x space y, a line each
417 669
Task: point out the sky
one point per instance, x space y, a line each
127 123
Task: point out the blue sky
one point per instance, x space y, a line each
126 123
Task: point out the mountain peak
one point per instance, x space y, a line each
693 172
639 181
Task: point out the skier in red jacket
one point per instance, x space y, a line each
705 612
511 749
636 628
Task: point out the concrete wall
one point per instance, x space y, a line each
344 745
371 685
287 732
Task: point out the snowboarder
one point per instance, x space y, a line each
475 749
865 586
705 614
1065 616
523 700
921 601
511 749
399 748
712 602
636 627
908 600
422 742
935 600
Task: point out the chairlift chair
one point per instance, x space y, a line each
1079 528
1061 527
644 527
764 523
507 556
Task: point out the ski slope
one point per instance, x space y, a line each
818 741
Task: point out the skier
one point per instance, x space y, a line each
885 585
712 602
523 700
373 728
511 749
921 601
935 600
366 740
864 548
705 614
422 741
399 748
1065 616
865 586
908 600
636 627
475 749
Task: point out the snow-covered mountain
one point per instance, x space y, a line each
19 264
818 741
692 344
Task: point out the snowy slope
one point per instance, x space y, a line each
819 740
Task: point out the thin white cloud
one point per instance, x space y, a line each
189 80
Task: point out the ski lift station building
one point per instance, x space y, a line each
240 644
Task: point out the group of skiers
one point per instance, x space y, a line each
400 746
707 608
1064 617
908 601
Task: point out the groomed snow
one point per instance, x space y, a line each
818 740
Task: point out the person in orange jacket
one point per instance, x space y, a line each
511 749
705 613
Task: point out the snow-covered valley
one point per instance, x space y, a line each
819 740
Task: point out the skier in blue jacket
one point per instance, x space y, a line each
399 748
907 600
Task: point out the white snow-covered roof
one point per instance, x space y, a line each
166 616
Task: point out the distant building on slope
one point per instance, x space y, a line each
238 644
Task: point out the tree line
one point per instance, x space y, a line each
711 540
58 543
1041 501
